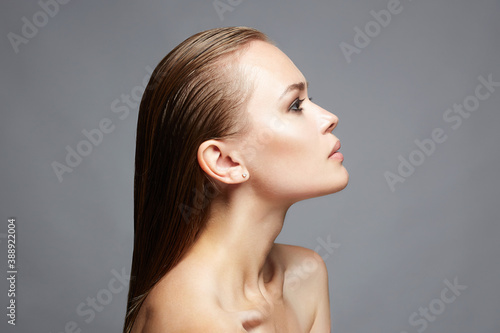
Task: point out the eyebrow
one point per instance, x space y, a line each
296 86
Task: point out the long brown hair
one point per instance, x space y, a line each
196 93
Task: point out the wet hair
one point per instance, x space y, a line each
196 93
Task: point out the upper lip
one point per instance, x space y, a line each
335 148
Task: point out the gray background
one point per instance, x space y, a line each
393 249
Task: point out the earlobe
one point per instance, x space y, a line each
214 158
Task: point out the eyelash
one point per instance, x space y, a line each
295 107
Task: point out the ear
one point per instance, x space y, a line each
216 158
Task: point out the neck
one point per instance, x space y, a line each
237 240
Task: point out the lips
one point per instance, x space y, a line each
335 154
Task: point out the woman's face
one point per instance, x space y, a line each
288 150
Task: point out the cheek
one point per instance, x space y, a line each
291 141
295 146
286 156
292 162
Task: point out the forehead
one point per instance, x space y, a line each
268 64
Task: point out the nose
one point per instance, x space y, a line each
329 121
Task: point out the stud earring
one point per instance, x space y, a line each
244 175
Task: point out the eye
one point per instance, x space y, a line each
295 107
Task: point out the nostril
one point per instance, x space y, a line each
329 121
331 127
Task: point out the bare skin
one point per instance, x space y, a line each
191 299
235 278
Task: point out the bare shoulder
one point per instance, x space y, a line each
306 283
180 303
300 261
294 251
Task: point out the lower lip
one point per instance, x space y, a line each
337 156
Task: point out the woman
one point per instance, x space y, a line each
227 141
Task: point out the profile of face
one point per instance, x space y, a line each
289 152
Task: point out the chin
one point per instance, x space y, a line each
341 181
336 185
